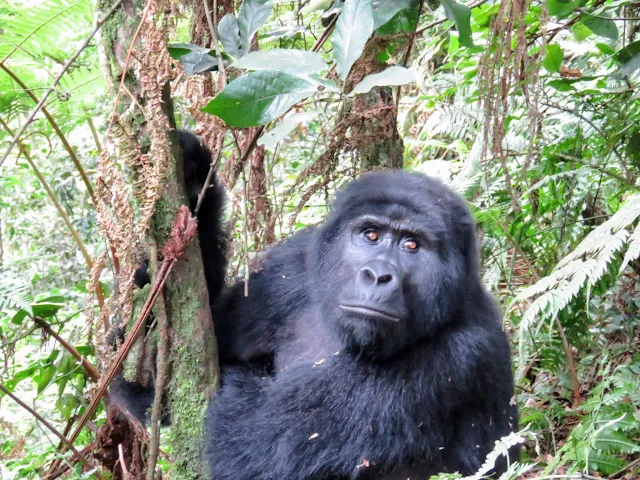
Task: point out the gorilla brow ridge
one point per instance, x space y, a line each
402 226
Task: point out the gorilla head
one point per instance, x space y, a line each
398 255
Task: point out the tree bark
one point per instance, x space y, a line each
373 115
192 370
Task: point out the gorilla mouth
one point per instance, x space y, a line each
370 312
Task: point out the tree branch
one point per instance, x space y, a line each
39 417
91 370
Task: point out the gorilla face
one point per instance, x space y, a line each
394 271
384 256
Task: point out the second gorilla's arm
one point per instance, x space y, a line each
249 328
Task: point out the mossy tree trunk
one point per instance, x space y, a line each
374 115
148 124
193 352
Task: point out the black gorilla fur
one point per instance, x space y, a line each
367 347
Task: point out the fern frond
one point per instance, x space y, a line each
633 251
596 240
605 255
556 290
584 266
501 448
14 293
611 441
451 121
603 462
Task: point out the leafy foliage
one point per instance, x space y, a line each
353 28
556 197
258 98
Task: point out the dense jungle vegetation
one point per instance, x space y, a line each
530 109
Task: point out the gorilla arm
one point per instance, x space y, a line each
249 328
346 417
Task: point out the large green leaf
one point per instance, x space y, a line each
612 441
44 376
403 21
258 97
629 59
390 76
47 307
627 53
553 58
66 404
580 32
177 50
601 26
560 8
385 10
252 15
229 34
461 16
296 62
353 29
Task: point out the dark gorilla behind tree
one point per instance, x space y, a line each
367 347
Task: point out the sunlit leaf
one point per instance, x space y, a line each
563 85
391 76
44 376
295 62
66 404
48 306
560 8
553 58
353 29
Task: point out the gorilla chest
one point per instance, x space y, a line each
309 341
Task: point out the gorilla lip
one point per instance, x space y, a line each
369 312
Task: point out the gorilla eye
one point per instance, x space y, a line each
410 244
372 235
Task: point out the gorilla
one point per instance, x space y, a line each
367 346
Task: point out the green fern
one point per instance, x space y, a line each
14 293
611 441
584 266
604 462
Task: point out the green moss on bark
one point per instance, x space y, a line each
194 373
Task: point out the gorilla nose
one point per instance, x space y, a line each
379 275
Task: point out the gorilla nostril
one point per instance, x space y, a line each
369 275
385 278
